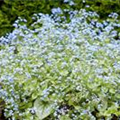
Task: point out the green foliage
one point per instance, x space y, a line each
104 7
12 9
63 71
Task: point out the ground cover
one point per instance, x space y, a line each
60 70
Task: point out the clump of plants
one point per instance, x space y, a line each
57 70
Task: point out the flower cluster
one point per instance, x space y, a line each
70 70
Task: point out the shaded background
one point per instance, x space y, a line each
11 9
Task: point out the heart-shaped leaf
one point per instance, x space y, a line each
43 109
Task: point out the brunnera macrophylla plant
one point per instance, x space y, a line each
59 70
